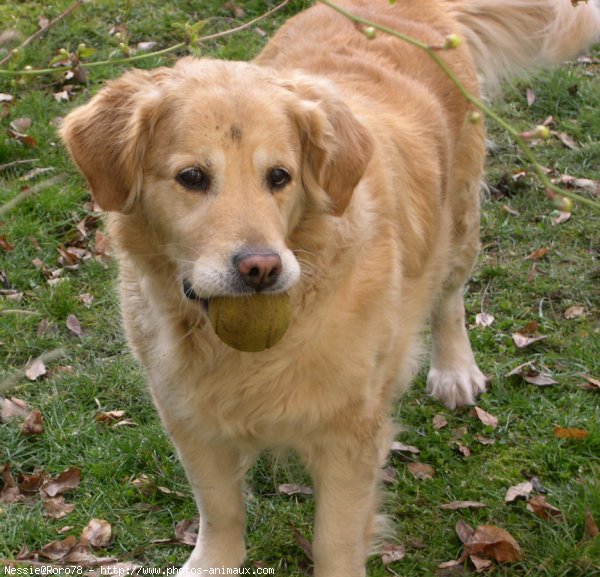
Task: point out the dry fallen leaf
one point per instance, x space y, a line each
538 254
71 256
485 417
456 505
484 440
81 556
86 299
421 471
511 211
561 217
490 542
303 543
585 184
13 408
5 245
464 531
31 483
484 319
398 447
74 325
294 489
481 564
530 374
10 492
21 124
530 97
439 422
522 341
392 552
34 423
462 449
534 480
57 550
459 432
65 481
389 475
147 46
538 506
186 531
109 416
452 568
26 139
56 507
574 312
102 246
591 530
97 533
516 491
167 491
125 423
567 140
237 11
36 370
61 96
570 433
591 384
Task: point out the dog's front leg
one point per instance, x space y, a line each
346 487
216 472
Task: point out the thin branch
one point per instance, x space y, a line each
28 192
23 312
130 59
17 163
433 53
42 30
246 25
11 380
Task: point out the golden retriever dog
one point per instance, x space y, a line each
342 170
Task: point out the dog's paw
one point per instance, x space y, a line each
456 388
200 564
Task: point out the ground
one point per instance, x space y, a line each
534 277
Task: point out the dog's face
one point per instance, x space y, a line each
221 160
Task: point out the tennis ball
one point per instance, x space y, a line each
250 323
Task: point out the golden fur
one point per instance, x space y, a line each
377 232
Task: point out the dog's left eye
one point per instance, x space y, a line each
194 179
278 178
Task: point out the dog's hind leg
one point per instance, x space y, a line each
454 377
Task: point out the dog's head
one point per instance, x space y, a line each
220 160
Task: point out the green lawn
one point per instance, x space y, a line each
130 475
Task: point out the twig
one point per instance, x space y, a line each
17 163
42 30
23 312
31 191
14 377
54 568
246 25
130 59
433 53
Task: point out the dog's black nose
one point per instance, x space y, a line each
258 269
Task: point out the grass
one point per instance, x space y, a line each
104 376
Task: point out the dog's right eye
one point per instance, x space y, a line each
194 179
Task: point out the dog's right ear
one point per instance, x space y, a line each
107 137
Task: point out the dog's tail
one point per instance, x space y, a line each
511 37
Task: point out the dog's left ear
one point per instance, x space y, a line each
337 147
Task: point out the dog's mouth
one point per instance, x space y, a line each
192 295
